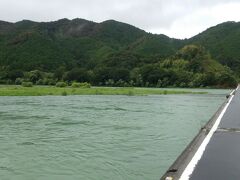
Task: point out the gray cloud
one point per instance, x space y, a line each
158 16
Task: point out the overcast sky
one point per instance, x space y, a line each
175 18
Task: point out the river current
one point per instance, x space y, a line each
98 137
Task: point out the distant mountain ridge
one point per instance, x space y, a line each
224 37
27 45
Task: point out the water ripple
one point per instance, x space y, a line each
98 137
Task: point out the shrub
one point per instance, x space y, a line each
18 81
39 82
51 82
182 84
64 93
110 82
61 84
75 85
27 84
81 85
120 83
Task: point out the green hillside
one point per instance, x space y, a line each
223 42
115 54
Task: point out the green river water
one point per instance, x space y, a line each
98 137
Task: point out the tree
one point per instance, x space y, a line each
13 74
59 72
120 73
33 76
77 74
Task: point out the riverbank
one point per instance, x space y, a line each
56 91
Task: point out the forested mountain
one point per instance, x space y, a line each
223 42
116 54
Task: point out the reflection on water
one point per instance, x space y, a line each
98 137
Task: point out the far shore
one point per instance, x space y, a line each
15 90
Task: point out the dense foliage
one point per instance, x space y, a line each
115 54
223 42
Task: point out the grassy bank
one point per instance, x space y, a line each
56 91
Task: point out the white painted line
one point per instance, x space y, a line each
197 156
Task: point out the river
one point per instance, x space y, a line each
98 137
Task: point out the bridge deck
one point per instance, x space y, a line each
221 159
215 153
